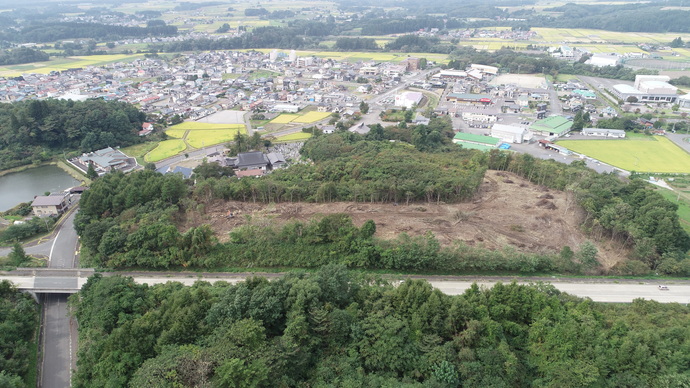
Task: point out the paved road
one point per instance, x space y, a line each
59 330
63 250
599 290
59 343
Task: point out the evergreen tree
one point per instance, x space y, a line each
18 255
91 172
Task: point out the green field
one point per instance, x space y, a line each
311 117
298 136
139 150
284 119
652 154
166 149
206 137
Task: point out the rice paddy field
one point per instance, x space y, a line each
284 119
60 64
311 117
200 138
585 36
166 149
176 133
198 135
650 154
298 136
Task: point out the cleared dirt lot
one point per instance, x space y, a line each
507 211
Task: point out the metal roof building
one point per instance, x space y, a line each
553 125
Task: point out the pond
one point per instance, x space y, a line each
24 185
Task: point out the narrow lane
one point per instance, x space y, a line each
57 343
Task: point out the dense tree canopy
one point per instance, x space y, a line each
31 131
335 328
18 324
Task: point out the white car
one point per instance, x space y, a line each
663 288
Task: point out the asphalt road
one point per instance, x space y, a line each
63 250
59 343
599 290
59 330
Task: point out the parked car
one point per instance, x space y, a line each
663 288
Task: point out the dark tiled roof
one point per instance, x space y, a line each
254 158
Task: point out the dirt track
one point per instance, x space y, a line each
507 211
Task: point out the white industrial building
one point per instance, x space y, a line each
285 108
648 88
602 60
510 133
617 133
684 101
486 69
408 99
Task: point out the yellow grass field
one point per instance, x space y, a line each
293 137
206 137
283 119
311 117
176 133
60 64
166 149
654 155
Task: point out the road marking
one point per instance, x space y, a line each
50 256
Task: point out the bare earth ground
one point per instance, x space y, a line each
507 211
224 117
532 81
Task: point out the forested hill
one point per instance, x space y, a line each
32 131
52 31
334 328
18 324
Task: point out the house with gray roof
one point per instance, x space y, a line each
276 159
252 160
105 160
51 205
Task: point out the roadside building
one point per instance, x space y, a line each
476 142
285 108
408 99
510 133
602 132
51 205
552 126
480 117
469 98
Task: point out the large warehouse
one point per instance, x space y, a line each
510 133
648 88
552 126
408 99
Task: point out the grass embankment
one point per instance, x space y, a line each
138 151
655 154
293 137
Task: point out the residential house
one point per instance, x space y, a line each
51 205
254 160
